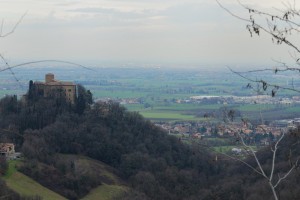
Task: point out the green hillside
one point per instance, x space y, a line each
112 186
105 192
58 141
26 186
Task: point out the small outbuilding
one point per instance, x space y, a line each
7 150
236 150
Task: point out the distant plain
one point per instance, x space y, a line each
158 90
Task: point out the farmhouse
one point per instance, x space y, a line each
7 149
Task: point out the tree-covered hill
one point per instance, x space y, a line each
153 163
53 134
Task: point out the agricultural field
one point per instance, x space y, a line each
196 112
169 116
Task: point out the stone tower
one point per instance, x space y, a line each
49 77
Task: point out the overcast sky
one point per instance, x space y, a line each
135 32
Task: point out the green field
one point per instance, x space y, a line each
117 93
255 107
173 112
224 149
188 107
194 112
169 116
227 149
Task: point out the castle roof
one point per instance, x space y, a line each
55 83
59 83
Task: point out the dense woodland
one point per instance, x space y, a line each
154 164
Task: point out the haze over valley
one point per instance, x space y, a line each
149 100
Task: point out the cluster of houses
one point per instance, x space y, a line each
205 129
261 135
257 99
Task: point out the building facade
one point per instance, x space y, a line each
7 149
54 88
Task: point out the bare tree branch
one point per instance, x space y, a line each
231 157
280 28
2 23
255 27
231 13
13 74
268 14
43 61
254 155
264 83
274 155
287 174
13 29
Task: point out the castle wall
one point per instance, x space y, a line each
53 88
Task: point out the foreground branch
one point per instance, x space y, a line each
43 61
13 29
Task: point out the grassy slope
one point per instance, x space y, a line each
105 192
26 186
112 185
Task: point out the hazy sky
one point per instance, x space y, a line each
142 32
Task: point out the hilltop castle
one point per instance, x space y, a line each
53 88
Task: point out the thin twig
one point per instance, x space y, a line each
8 67
231 157
274 156
263 82
267 14
254 155
14 28
287 174
231 13
43 61
257 26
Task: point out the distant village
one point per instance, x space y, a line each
259 99
200 130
